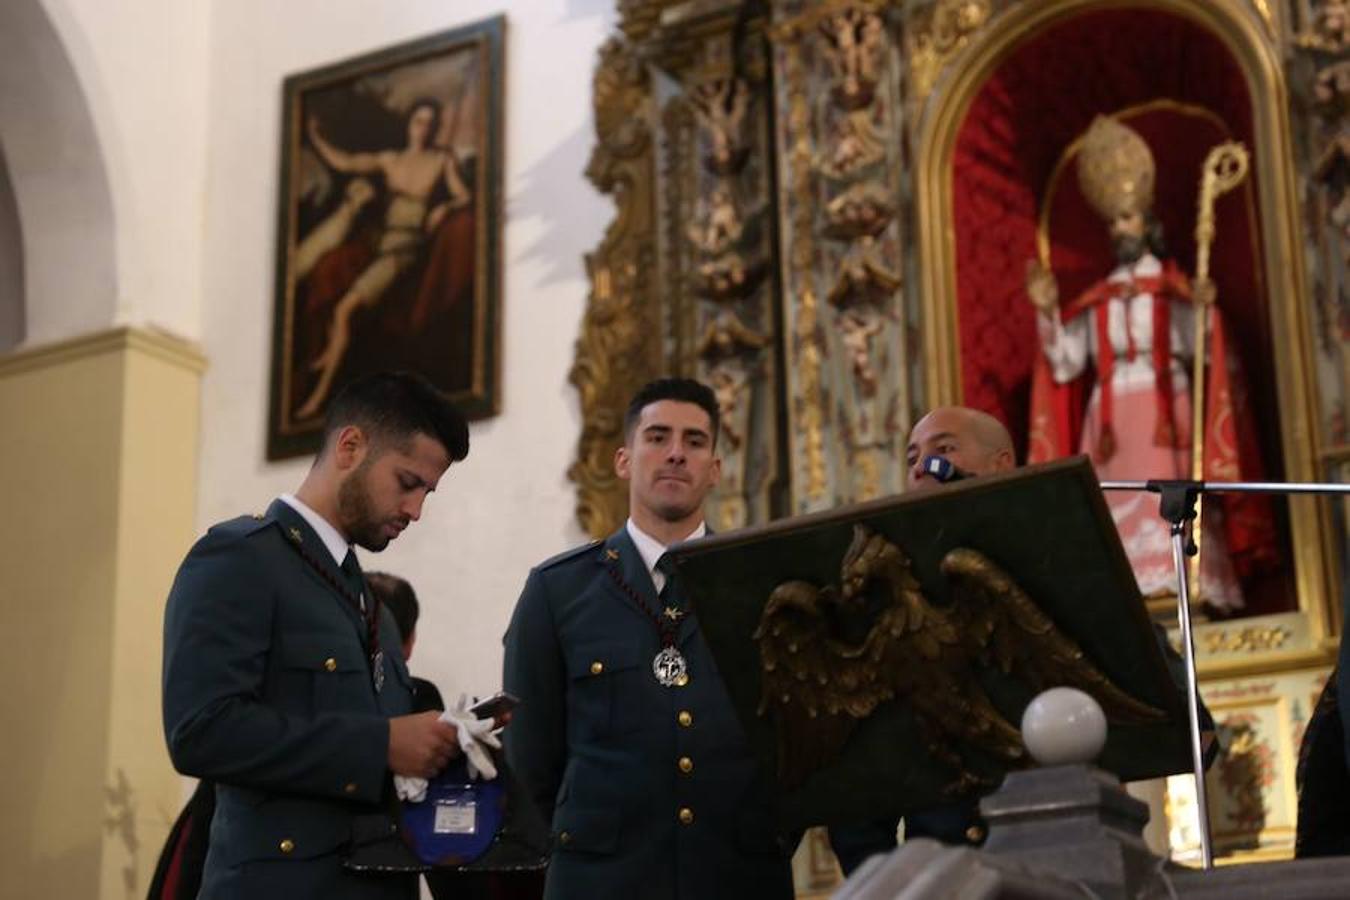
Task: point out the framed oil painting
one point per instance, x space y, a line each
389 230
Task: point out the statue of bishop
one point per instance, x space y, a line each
1126 344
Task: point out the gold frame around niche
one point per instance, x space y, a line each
1246 37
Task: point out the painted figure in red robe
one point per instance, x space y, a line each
1127 344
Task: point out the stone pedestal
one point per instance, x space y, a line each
1076 821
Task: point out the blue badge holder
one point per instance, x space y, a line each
457 821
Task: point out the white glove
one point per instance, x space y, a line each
475 735
410 788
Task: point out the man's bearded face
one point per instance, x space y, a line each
356 509
1128 248
1129 237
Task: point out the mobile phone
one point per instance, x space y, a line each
495 706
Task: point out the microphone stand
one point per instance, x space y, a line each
1178 506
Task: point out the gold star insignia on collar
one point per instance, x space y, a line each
612 554
296 536
258 516
673 614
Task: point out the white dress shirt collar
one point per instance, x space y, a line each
651 550
337 545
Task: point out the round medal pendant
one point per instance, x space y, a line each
377 670
670 667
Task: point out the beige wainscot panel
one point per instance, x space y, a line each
98 472
1252 799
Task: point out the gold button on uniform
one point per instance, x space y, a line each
597 667
686 765
682 679
685 718
686 816
286 845
975 834
349 787
565 838
330 664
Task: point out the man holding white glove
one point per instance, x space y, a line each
475 737
283 681
474 734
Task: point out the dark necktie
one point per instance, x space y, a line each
666 566
351 570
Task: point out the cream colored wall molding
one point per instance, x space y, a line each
162 345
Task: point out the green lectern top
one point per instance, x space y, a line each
880 655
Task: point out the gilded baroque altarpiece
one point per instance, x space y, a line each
825 210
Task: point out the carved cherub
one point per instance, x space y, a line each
862 209
863 276
724 277
727 337
855 145
728 382
1330 27
872 35
726 344
853 42
1331 91
721 225
858 324
721 106
841 45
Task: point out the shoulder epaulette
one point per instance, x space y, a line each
567 555
242 526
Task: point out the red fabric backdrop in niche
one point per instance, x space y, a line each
1178 86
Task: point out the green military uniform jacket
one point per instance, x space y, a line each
651 791
268 692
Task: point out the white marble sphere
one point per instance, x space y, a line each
1063 725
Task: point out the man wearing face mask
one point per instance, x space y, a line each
949 444
284 681
955 442
625 736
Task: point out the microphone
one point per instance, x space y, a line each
942 469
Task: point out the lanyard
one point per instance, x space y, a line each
371 615
669 665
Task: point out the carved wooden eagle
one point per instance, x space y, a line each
818 681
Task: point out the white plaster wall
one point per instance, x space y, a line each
54 164
509 504
142 66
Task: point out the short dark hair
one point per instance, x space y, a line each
394 406
397 596
682 390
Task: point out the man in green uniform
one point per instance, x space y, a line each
625 736
284 682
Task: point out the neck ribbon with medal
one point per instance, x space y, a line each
669 665
371 614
